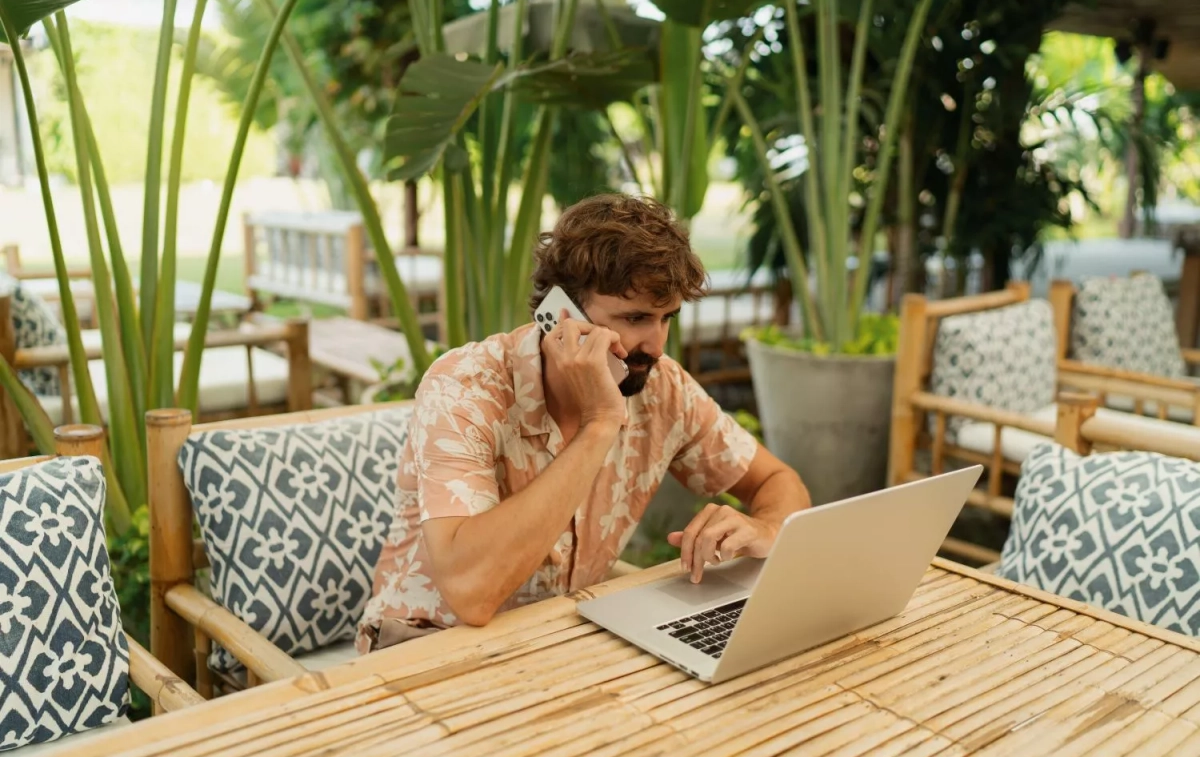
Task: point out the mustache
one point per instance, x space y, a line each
639 358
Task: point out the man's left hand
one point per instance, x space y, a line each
720 533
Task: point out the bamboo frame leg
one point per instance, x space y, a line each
1073 409
12 428
170 539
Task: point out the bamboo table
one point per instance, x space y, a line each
974 664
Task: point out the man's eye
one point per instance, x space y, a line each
670 316
634 318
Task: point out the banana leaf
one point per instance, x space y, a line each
23 14
703 12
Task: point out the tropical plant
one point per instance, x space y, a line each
831 313
137 338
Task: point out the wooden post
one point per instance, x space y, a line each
79 439
356 272
12 426
12 259
1062 299
299 366
1021 288
1188 315
1073 409
250 243
170 538
909 355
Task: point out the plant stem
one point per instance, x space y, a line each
88 407
814 203
152 199
129 467
891 126
189 381
162 369
787 231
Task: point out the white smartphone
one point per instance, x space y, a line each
546 317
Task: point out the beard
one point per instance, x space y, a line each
640 364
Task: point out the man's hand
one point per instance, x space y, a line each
581 370
718 533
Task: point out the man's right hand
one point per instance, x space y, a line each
586 385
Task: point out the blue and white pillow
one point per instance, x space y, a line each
1003 358
64 661
1126 323
1119 530
34 325
293 519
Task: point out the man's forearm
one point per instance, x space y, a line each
491 554
782 494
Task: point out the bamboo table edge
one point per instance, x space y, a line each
464 644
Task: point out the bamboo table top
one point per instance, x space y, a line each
974 665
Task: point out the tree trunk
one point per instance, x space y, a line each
1138 96
412 215
907 267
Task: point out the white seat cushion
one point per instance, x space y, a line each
421 274
1016 444
327 657
68 743
224 382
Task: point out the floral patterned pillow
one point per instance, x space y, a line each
293 518
34 325
1115 530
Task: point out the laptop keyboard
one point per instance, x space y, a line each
707 631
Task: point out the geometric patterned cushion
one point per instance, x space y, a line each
293 519
64 661
34 325
1117 530
1126 323
1003 358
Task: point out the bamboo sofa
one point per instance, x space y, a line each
976 382
292 512
1124 330
166 691
1105 514
262 367
325 258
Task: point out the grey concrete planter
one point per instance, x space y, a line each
827 417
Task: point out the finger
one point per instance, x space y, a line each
737 543
570 335
691 532
705 550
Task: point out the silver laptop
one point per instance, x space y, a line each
833 570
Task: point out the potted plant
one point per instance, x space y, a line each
824 390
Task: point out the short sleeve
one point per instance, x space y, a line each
454 451
716 451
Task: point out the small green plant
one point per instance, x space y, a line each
877 335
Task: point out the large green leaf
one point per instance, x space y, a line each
680 56
589 81
704 12
438 94
23 14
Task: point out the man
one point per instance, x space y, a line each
528 468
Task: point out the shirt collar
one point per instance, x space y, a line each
529 391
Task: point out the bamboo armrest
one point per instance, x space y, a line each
620 569
1190 355
1076 367
251 648
1131 432
163 687
72 273
60 354
934 403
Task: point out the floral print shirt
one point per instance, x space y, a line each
480 433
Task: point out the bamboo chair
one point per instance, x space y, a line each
258 333
711 328
1083 427
1011 434
44 283
167 692
184 620
324 258
1163 397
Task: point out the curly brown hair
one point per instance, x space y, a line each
616 244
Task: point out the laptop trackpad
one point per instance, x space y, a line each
711 588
